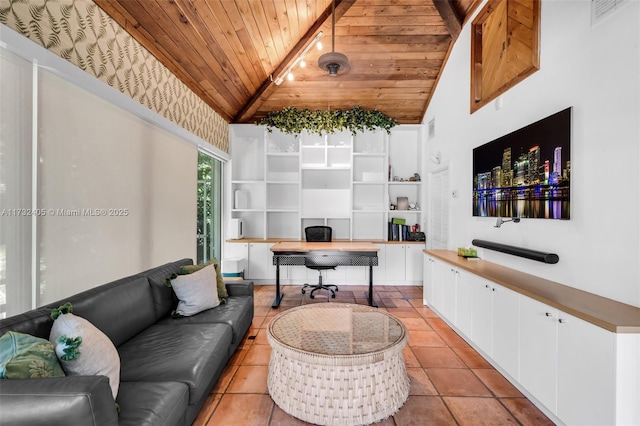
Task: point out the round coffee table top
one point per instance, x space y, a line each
337 329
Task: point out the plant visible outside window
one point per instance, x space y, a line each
209 208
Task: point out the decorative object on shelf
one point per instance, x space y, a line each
415 178
293 121
403 203
467 252
241 199
417 236
334 62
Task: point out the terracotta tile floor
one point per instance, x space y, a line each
451 384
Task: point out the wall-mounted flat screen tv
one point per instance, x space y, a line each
526 173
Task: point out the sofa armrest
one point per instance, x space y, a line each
240 288
70 400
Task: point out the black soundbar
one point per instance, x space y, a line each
540 256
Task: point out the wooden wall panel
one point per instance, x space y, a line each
505 48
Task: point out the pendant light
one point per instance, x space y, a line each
334 62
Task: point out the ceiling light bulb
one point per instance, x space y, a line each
290 76
319 45
303 64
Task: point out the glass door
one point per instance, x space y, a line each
209 222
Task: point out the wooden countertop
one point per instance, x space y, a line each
606 313
303 246
279 240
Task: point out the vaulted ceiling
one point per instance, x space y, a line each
232 52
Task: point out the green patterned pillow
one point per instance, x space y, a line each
97 356
23 356
222 289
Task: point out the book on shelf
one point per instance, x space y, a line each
398 232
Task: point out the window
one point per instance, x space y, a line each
17 218
62 166
209 207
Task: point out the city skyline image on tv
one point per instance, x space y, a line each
525 173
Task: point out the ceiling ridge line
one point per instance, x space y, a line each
341 7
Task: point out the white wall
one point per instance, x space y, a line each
596 70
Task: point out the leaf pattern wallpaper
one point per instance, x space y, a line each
80 32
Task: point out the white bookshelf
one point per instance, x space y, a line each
287 183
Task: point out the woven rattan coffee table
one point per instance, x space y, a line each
337 363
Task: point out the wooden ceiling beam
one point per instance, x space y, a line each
341 6
447 10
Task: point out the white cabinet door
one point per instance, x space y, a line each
414 257
464 303
299 274
450 279
482 314
394 262
380 271
586 376
335 276
439 269
506 311
261 262
427 286
402 262
239 251
538 350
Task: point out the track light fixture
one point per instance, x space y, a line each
299 60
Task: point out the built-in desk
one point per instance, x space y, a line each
345 253
399 263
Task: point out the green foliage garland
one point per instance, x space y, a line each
293 121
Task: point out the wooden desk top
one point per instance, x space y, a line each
609 314
303 246
281 240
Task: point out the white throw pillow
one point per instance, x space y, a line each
196 292
98 355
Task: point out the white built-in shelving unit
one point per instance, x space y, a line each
281 184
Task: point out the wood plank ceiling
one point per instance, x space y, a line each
230 52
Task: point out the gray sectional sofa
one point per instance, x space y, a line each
168 365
